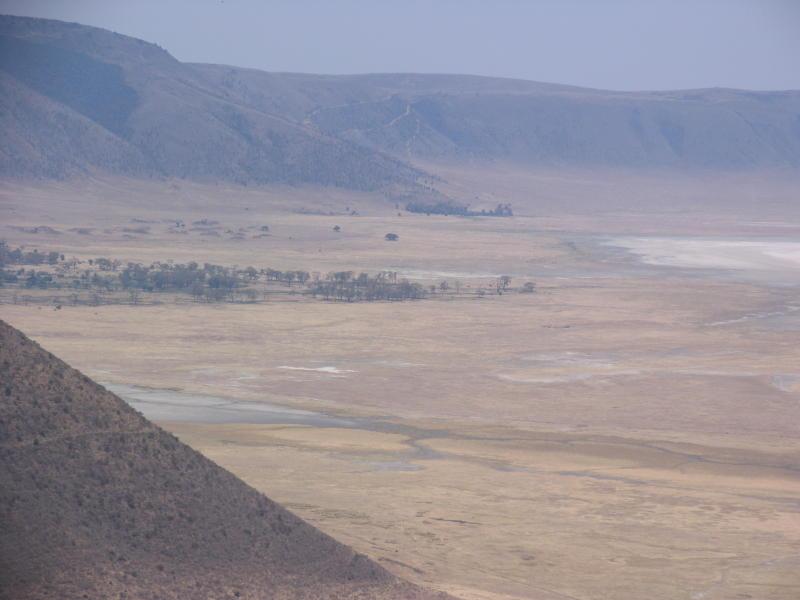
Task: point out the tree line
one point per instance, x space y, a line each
105 279
444 207
205 282
348 287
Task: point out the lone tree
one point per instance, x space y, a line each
391 237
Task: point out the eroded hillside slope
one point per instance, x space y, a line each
158 114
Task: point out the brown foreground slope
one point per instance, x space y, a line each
97 502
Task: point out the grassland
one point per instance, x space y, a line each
628 431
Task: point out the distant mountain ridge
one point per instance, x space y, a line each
76 99
96 502
165 119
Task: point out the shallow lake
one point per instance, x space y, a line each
765 260
173 405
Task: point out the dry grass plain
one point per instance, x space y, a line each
628 431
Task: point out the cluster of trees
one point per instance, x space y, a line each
207 282
446 207
18 256
501 210
29 279
162 277
40 279
287 277
181 277
346 286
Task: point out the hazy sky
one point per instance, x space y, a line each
617 44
